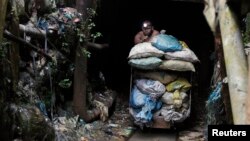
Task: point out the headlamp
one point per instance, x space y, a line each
145 25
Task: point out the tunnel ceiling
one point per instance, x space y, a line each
181 19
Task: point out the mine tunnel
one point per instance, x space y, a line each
119 21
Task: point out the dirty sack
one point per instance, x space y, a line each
148 63
173 115
143 50
185 54
142 107
166 43
180 84
165 77
176 98
154 88
177 65
143 116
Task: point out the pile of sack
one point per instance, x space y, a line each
158 88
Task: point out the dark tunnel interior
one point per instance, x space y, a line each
119 21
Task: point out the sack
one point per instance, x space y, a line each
145 63
137 98
166 43
162 76
143 50
170 114
154 88
185 54
177 99
180 84
183 44
177 65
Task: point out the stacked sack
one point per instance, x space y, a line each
157 89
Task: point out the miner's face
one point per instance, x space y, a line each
147 29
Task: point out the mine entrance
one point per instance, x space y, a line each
119 21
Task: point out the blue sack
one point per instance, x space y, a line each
146 115
166 43
137 98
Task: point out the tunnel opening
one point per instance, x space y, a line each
119 21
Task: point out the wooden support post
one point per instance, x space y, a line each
247 36
235 61
80 76
14 56
3 7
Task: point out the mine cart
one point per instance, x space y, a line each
153 104
161 82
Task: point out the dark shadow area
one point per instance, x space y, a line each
119 21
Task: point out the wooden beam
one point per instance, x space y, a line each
33 31
12 37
